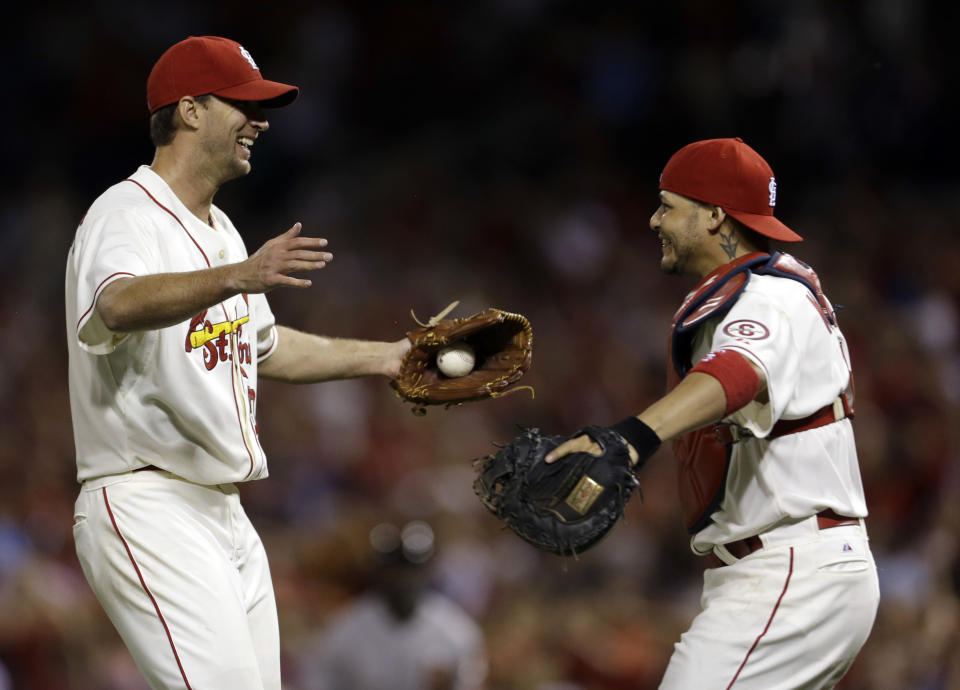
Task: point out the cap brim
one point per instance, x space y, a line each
766 225
269 94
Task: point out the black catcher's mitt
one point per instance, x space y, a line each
564 507
502 340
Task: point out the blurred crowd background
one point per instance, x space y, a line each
503 153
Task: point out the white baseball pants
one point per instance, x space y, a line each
790 616
184 578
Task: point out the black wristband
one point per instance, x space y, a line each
643 439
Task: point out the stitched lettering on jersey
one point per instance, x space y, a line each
212 339
226 341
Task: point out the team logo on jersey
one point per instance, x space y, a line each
249 58
212 338
745 329
772 188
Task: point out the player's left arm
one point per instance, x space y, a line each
703 397
307 358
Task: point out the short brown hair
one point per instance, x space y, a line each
163 123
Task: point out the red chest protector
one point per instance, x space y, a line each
703 456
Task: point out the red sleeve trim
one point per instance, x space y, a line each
273 345
96 293
740 382
174 216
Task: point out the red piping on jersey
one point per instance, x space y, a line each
174 215
816 305
237 404
769 621
97 292
234 365
156 606
273 346
222 306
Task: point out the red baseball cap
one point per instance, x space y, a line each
729 174
200 65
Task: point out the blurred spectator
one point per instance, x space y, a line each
454 150
398 635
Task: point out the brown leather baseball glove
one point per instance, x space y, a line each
502 341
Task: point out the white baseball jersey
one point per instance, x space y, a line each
776 325
794 612
182 398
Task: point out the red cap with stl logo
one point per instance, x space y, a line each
201 65
729 174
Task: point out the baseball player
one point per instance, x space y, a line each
168 332
760 396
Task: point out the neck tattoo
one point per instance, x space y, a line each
729 244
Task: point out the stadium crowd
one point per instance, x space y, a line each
504 153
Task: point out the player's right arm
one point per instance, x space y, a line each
163 299
698 400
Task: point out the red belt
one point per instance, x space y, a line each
825 520
828 414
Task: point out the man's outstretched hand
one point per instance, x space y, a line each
272 265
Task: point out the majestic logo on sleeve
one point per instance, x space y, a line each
745 329
772 188
213 338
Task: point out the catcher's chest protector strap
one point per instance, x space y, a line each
703 455
786 266
719 291
714 295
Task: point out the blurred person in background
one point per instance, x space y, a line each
168 330
399 634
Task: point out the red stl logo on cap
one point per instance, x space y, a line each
200 65
731 175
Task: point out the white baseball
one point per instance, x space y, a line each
456 360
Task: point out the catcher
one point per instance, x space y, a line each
758 411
